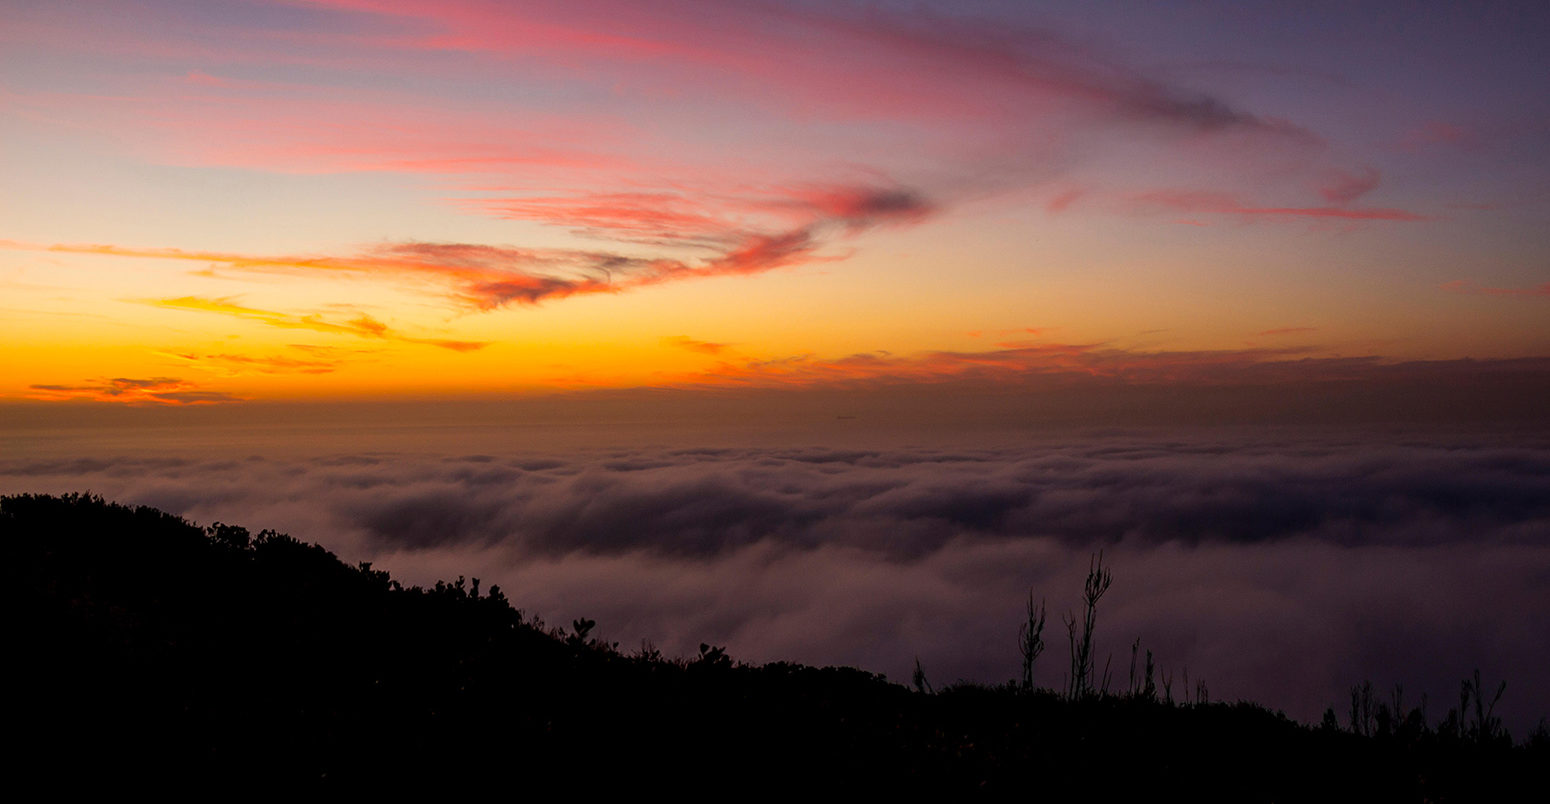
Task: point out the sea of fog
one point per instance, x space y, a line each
1279 565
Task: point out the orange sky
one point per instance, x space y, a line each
346 200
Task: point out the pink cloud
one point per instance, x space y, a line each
657 214
1063 201
203 120
620 87
1343 187
839 63
966 91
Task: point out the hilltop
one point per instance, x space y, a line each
150 650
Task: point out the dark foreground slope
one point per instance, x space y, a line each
146 650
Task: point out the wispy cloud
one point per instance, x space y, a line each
972 82
1029 364
1023 362
236 364
649 216
957 65
362 325
1063 200
133 391
717 219
485 277
703 347
1342 187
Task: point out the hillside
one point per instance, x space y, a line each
149 650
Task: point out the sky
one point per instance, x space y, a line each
824 331
330 200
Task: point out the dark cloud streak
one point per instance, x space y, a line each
133 391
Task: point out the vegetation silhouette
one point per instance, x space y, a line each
149 651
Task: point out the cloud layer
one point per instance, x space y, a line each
1279 567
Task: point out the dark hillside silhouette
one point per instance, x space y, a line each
147 650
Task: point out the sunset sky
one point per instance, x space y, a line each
219 202
827 331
